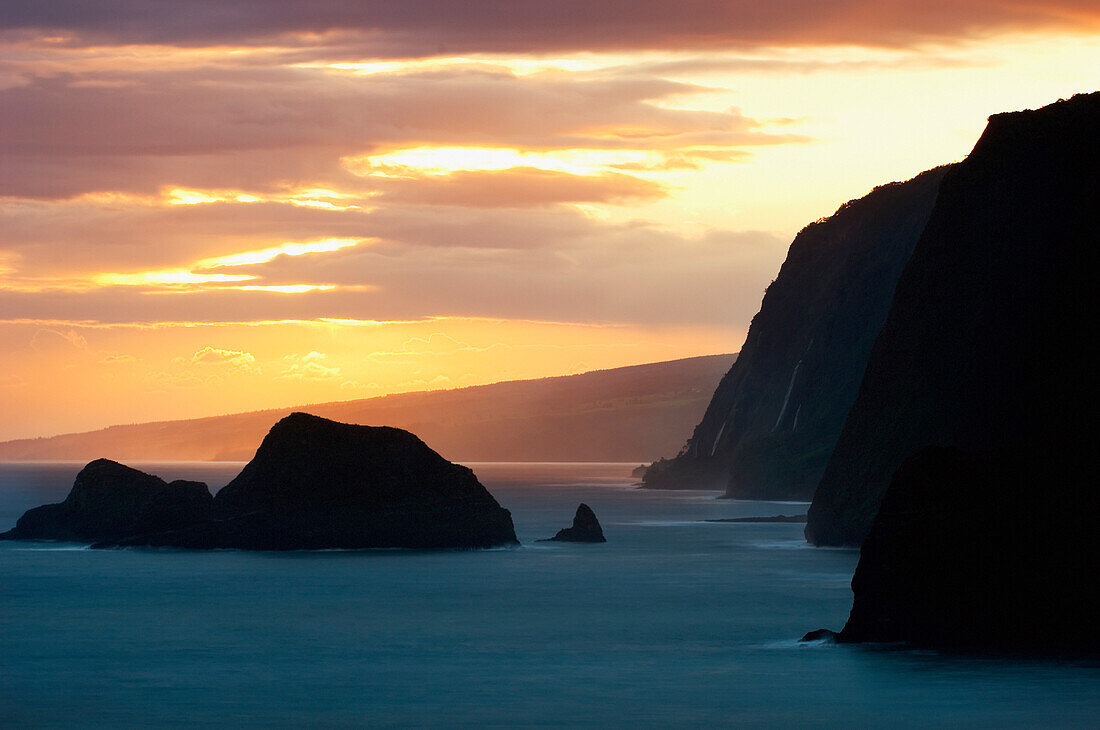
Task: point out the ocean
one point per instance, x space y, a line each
674 622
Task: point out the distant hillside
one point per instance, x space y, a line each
626 414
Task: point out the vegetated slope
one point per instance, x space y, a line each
773 421
624 414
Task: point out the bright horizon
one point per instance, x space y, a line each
206 213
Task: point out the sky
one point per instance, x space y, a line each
223 205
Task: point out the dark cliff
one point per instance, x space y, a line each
316 483
110 501
776 415
982 550
988 341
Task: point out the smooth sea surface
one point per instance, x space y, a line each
674 622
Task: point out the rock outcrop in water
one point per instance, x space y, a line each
776 415
316 483
989 338
968 460
586 528
313 484
110 501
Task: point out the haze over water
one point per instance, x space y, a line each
673 622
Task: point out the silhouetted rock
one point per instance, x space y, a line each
989 550
586 528
820 635
989 338
316 483
110 501
776 415
968 460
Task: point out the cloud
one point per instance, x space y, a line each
69 237
63 242
50 340
98 160
417 28
222 128
234 360
605 273
117 358
309 367
497 263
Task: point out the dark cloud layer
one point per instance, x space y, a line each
418 28
264 129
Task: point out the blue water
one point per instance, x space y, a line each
674 622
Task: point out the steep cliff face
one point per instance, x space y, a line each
983 550
776 414
988 341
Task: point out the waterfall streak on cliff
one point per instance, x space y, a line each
787 397
717 438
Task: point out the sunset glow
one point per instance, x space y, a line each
446 160
381 202
327 245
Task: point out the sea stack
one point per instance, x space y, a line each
111 501
586 528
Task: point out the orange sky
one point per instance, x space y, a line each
212 207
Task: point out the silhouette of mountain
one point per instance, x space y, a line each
968 459
773 421
986 340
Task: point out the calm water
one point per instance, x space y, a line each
673 622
